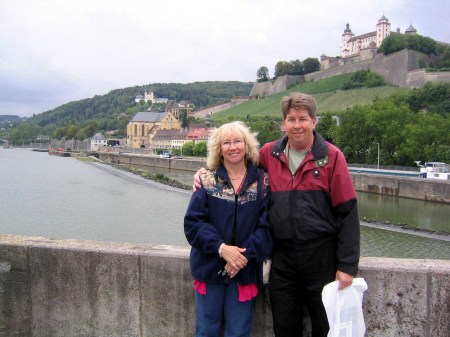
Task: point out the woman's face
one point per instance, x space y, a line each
233 148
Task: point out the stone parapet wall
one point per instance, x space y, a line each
52 288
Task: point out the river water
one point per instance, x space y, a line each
49 196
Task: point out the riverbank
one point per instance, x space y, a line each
404 187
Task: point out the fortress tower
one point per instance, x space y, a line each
346 36
383 30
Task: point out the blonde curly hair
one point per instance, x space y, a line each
217 135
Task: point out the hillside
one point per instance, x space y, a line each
105 109
328 93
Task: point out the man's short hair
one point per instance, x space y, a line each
298 100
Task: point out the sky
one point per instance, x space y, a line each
56 51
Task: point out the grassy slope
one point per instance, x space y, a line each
326 91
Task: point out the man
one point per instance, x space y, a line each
314 218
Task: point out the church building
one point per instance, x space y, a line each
144 125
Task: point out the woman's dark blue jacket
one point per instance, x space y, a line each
209 222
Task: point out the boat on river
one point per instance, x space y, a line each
59 152
431 170
435 170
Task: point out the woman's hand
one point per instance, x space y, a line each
234 257
231 271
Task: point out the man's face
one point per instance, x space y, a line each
299 128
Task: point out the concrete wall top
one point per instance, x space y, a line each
97 246
59 288
378 263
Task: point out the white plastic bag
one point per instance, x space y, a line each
344 308
267 263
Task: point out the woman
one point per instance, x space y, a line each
227 226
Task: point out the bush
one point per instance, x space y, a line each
364 78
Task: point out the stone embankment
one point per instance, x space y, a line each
52 288
405 187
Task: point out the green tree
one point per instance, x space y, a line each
427 45
394 42
188 149
297 68
413 41
91 128
23 134
200 149
184 119
427 139
263 74
444 62
282 68
353 135
434 97
71 131
311 65
326 126
267 128
81 135
59 133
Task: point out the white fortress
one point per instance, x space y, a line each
361 47
353 45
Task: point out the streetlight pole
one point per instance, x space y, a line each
378 148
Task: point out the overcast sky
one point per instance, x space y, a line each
56 51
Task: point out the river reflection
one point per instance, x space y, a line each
420 214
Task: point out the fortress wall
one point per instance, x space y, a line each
270 88
398 68
52 288
345 69
417 78
443 76
261 88
395 67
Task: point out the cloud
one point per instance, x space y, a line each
55 51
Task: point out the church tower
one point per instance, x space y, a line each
383 30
